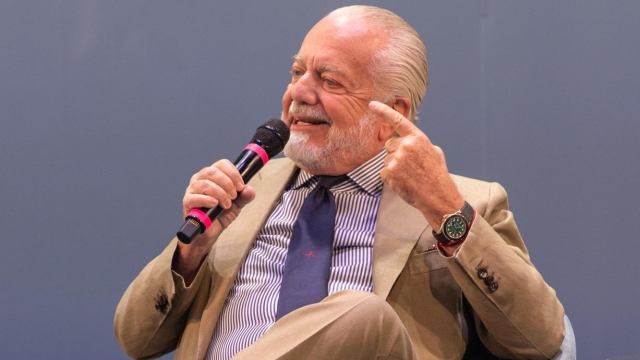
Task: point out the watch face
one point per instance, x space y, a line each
455 227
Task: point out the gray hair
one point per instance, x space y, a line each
400 68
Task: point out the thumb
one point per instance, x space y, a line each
245 196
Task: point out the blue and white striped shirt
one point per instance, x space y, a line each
250 308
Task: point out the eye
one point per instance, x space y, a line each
296 72
330 82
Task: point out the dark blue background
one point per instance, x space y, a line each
108 107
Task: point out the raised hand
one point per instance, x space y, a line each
416 170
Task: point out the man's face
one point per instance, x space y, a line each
328 97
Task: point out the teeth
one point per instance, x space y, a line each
307 123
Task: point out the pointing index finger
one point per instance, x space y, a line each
400 124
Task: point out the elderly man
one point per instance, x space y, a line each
422 264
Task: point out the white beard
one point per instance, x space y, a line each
341 145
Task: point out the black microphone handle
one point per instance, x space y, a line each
248 164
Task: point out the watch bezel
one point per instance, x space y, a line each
443 236
445 227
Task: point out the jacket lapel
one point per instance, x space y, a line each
231 249
398 227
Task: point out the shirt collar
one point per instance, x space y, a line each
366 177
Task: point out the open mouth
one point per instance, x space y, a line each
309 122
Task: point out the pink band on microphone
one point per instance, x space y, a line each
258 150
200 215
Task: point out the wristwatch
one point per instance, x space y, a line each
455 226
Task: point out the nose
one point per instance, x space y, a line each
304 89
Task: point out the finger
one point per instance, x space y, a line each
246 196
215 176
392 144
209 188
229 215
232 172
385 176
387 161
400 124
195 201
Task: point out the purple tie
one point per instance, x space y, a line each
308 263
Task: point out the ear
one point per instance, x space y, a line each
401 105
386 131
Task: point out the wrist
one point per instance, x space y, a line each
436 216
454 227
186 261
450 248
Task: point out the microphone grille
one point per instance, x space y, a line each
272 136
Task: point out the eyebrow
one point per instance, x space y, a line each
321 68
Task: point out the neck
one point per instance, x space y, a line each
338 167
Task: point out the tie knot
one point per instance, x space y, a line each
328 182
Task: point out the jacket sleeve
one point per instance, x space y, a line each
153 311
517 315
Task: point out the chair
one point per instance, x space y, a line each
568 348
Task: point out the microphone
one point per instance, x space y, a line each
269 139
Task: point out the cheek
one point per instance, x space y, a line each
348 112
286 99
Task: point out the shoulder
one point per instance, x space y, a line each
279 164
275 171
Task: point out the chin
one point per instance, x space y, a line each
340 148
307 156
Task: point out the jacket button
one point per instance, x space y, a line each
488 280
161 304
482 273
493 286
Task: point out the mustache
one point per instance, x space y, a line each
314 112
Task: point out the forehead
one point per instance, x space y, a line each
342 44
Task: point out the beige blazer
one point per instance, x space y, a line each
522 318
